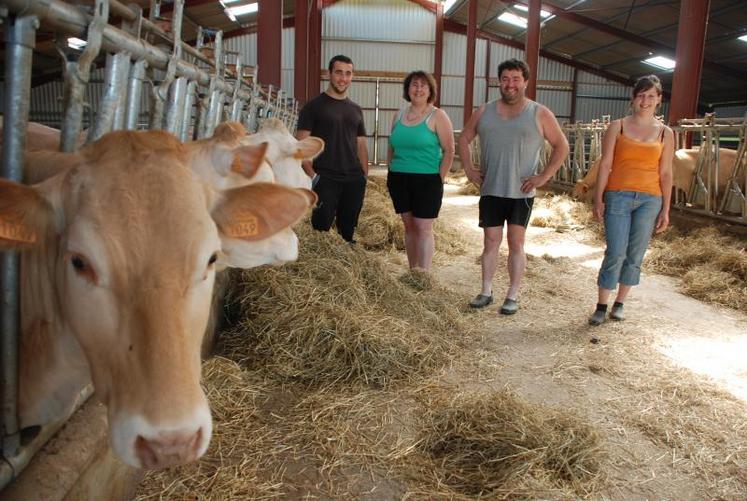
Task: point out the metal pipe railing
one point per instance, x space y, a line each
20 35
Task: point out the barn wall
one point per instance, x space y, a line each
385 39
731 111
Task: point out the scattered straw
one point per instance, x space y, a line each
713 266
563 213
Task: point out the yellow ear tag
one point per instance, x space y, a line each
245 225
16 232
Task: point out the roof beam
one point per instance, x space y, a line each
454 27
632 37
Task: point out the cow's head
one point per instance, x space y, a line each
133 240
285 153
232 159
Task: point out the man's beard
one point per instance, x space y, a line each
337 89
511 99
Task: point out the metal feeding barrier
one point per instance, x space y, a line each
718 186
585 141
191 90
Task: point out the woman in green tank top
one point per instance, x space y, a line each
421 149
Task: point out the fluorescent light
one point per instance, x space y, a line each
234 12
660 62
76 43
543 13
510 18
448 4
743 38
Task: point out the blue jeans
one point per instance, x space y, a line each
629 219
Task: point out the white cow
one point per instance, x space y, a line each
118 263
283 154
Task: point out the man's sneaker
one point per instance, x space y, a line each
481 301
597 318
510 306
617 312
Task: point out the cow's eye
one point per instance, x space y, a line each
82 267
213 259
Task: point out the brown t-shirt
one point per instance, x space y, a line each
339 122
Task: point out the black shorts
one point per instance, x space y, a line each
494 211
420 194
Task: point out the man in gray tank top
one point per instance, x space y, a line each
512 131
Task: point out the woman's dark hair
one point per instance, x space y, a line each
645 83
423 75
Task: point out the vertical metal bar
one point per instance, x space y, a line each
175 107
20 34
189 101
117 69
134 94
236 103
215 103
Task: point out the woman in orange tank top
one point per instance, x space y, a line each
632 194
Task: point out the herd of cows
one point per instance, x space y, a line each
121 242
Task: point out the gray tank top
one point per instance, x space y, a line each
509 150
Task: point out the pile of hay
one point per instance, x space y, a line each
713 266
380 228
496 444
340 315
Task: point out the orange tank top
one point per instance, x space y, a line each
635 165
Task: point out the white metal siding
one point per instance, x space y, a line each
246 46
381 56
379 20
499 53
558 101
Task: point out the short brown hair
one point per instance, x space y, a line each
423 75
514 64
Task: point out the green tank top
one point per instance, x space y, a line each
416 148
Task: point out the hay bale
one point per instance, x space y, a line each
338 315
495 444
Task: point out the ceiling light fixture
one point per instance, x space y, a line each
508 17
661 62
543 13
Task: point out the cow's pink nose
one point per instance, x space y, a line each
168 448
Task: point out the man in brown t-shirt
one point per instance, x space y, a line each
340 171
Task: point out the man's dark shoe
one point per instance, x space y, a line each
481 301
510 306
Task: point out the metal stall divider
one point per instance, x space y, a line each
77 74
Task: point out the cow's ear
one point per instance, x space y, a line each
245 160
248 159
260 210
24 215
308 148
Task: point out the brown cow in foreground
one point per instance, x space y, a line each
118 262
683 170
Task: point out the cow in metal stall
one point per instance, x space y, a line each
119 250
